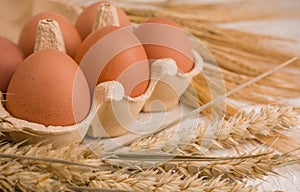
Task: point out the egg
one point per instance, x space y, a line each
27 37
163 38
50 89
11 58
114 53
87 18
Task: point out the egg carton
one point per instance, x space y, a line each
112 112
167 84
20 130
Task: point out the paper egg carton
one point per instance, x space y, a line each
20 130
111 113
167 84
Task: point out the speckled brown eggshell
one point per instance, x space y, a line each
50 89
130 67
161 41
86 19
27 37
11 58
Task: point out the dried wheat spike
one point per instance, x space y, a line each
154 180
59 163
235 170
14 177
243 126
253 165
267 121
33 175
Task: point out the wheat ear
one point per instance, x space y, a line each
241 127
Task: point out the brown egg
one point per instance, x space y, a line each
50 89
114 53
10 59
86 19
163 38
28 34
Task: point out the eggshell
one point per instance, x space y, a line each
50 89
27 37
120 56
86 19
163 38
10 59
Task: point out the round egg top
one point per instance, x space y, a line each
50 89
115 53
163 38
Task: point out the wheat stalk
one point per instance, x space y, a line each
268 121
285 80
214 12
32 175
44 159
238 169
242 127
16 178
253 165
133 175
232 80
199 174
208 175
